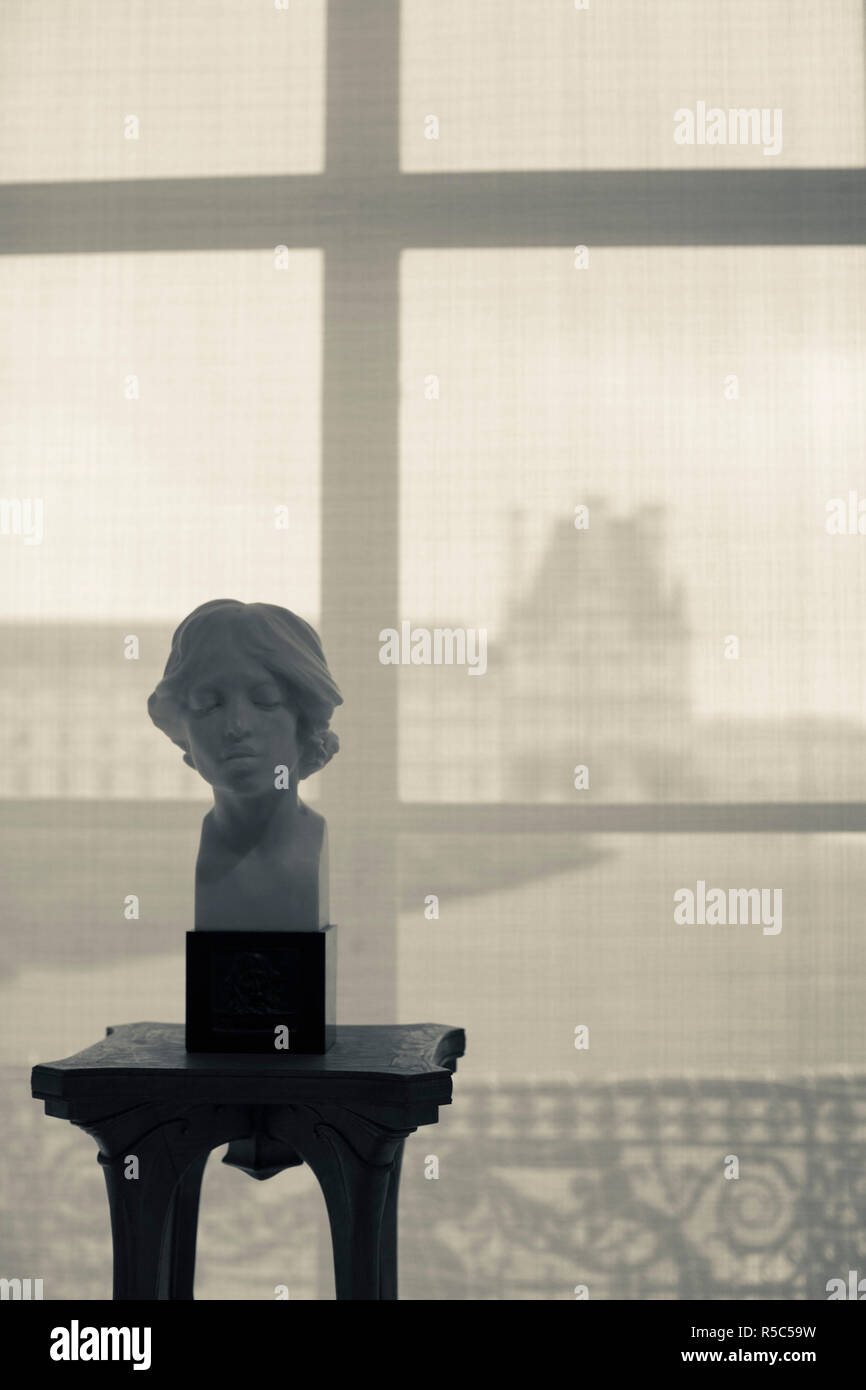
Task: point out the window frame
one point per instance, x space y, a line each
362 211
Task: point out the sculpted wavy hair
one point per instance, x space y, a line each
286 645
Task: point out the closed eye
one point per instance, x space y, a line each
267 696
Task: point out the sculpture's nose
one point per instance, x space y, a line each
237 724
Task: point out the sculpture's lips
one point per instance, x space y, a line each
239 753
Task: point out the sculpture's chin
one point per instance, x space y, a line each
246 773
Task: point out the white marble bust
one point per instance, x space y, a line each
248 696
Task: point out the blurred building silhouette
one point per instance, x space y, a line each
597 659
591 667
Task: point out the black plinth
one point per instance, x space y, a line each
263 991
347 1113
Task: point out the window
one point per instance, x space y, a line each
703 404
597 89
150 89
164 408
412 257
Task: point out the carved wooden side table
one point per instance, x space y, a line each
346 1113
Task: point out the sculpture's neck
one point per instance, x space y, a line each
256 819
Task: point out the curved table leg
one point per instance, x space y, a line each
154 1201
177 1269
388 1238
356 1158
139 1217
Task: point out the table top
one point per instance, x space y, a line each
390 1065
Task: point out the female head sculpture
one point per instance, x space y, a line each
280 642
248 697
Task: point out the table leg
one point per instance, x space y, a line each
356 1159
356 1194
388 1239
177 1270
153 1159
141 1209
